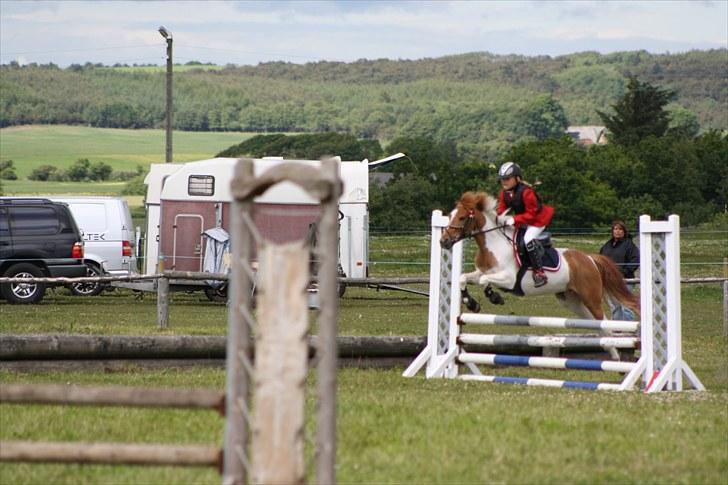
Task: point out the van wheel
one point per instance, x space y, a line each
23 293
88 289
217 295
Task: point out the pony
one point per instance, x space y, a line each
581 282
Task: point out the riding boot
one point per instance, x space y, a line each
535 254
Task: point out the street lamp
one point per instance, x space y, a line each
168 35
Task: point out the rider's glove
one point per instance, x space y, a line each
505 220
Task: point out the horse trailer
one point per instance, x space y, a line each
184 201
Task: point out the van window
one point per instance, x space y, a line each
201 185
34 221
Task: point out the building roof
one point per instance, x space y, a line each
588 135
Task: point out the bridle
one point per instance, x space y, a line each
467 232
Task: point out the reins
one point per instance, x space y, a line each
464 236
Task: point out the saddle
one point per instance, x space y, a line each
551 259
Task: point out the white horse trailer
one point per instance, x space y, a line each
185 200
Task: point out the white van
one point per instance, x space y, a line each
108 236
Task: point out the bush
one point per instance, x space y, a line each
99 171
7 170
135 186
43 173
123 175
79 170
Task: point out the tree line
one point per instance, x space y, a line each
646 168
482 102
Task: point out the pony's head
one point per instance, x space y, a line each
467 218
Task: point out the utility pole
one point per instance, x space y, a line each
168 35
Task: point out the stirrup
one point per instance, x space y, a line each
539 279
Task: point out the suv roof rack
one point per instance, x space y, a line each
23 200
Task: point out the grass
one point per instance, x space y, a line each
391 429
395 430
32 146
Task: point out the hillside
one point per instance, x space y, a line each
480 101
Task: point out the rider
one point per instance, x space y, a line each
529 212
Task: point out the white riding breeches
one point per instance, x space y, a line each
532 232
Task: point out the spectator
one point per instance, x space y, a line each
626 255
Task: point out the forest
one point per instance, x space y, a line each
457 118
480 101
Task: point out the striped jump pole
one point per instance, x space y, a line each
545 362
548 322
563 342
527 381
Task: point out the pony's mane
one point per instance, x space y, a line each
481 201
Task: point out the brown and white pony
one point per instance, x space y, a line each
581 283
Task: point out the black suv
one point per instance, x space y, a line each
38 238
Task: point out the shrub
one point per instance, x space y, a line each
99 171
7 170
43 173
79 170
135 186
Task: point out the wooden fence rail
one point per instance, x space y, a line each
110 454
112 396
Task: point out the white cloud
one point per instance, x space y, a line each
65 32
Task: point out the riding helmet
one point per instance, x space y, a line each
509 169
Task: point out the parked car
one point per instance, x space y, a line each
38 238
108 235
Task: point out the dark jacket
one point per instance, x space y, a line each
623 252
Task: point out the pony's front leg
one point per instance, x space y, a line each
502 279
467 300
472 277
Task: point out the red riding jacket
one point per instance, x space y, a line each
525 205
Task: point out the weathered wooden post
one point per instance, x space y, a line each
327 351
264 437
239 347
163 302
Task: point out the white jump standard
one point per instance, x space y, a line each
659 367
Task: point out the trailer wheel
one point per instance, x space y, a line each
340 287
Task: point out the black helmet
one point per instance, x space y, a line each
509 169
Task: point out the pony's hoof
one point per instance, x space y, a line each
495 298
471 304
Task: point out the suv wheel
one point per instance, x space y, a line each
23 293
88 289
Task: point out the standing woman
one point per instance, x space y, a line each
529 213
626 255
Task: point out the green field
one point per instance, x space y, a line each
32 146
391 429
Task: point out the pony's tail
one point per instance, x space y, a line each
614 284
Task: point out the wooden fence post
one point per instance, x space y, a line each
281 365
163 302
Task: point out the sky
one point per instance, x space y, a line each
247 33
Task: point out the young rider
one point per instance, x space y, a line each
527 212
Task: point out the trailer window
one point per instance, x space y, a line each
201 185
